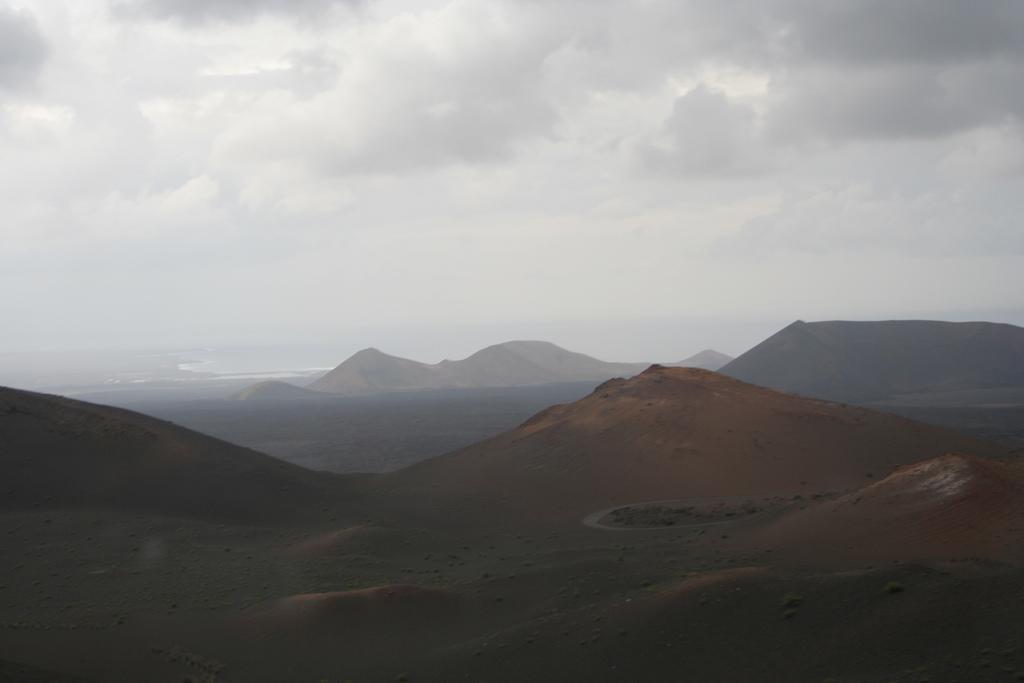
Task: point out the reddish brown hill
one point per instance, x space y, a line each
378 607
671 433
953 506
56 452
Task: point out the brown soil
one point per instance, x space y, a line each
199 561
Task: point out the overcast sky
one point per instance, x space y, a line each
279 171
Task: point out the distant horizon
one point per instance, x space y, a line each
731 336
636 341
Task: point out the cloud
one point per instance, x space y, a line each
910 31
461 84
471 146
22 48
988 153
199 11
893 102
870 69
468 81
707 133
865 218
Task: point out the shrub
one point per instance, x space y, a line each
792 600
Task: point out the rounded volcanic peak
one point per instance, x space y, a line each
670 388
709 359
946 507
273 390
532 351
537 362
618 399
552 356
671 433
372 358
663 402
542 353
658 374
371 354
680 378
498 365
371 370
523 350
528 346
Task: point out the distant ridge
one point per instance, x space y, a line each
875 361
274 390
708 359
514 363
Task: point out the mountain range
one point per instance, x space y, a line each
883 361
511 364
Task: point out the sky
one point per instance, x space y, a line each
633 178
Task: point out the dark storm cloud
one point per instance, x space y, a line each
22 49
876 69
912 69
197 11
839 71
793 33
923 31
915 102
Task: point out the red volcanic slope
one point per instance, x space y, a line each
953 506
362 538
365 608
671 433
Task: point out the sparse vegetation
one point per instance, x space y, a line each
792 600
707 512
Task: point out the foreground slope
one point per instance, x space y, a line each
671 433
426 583
953 506
59 452
874 361
516 363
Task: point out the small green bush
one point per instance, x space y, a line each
792 600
